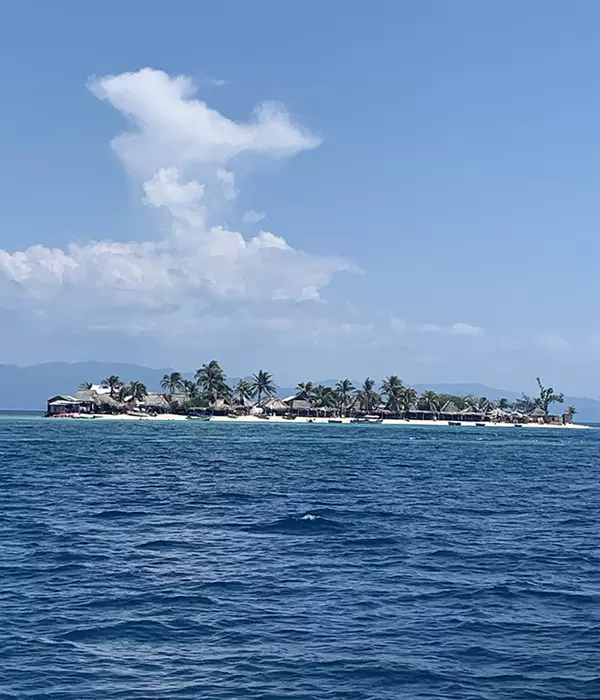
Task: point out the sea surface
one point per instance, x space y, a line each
192 560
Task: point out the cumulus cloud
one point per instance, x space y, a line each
182 154
467 329
172 128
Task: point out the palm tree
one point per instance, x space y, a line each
323 396
122 394
136 391
344 389
429 401
211 379
304 391
471 401
443 399
193 397
571 410
262 383
367 396
243 391
189 388
114 383
172 383
503 404
85 386
393 389
409 398
526 404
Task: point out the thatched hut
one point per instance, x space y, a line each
154 402
470 413
538 415
299 406
450 411
273 404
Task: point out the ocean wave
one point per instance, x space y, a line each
369 567
307 524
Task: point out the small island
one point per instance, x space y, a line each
209 396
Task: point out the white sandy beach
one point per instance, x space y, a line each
322 421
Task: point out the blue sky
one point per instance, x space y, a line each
431 167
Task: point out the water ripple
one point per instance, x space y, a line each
143 561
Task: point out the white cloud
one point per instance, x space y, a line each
172 128
467 329
227 180
176 153
253 217
464 329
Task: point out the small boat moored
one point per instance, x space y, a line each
367 419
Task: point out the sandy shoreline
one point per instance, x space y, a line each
321 421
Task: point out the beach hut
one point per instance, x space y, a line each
300 407
103 403
567 418
470 413
450 411
273 404
538 414
155 402
62 403
93 402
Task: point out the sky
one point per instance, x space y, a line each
316 189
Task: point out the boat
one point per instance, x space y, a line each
367 419
480 425
204 418
454 422
335 420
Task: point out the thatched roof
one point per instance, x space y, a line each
85 395
273 403
105 400
538 413
471 411
155 400
450 407
353 404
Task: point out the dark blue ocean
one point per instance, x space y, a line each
190 560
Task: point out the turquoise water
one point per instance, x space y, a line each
194 560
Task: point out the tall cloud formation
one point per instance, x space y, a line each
183 155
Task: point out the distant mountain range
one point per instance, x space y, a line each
28 388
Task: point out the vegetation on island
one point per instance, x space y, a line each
210 389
